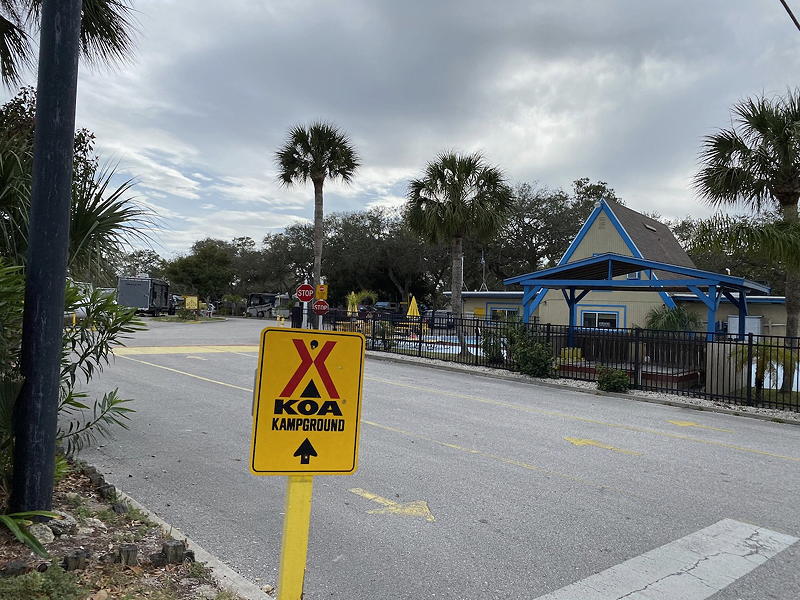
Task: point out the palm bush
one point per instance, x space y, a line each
458 196
756 164
768 360
672 319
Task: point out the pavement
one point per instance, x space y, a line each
468 486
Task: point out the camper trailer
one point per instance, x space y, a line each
261 305
145 294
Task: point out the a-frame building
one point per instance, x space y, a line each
612 227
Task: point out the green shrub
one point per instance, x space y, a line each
493 346
186 315
530 356
53 584
612 380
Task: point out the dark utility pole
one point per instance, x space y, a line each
36 412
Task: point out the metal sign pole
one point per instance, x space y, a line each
294 548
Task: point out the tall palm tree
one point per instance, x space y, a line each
317 152
105 33
459 196
756 164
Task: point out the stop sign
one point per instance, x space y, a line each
304 292
320 307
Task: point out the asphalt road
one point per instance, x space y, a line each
529 489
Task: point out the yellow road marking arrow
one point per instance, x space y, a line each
417 508
586 442
693 424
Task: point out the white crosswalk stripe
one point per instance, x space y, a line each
692 568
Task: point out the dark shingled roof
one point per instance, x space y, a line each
654 239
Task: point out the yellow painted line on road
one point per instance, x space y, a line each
587 442
503 459
553 413
699 426
200 377
135 351
416 508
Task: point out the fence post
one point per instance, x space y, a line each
373 329
750 368
547 333
477 343
637 359
419 335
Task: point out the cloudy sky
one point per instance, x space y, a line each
550 90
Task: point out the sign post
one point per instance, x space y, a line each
306 421
304 293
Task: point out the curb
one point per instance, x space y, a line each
459 369
227 578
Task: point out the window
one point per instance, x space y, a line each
634 275
601 320
504 314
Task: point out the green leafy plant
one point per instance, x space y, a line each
672 319
53 584
529 355
87 349
493 344
612 380
184 314
18 523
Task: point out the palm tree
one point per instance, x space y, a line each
317 152
459 195
756 164
105 33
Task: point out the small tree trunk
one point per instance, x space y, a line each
318 216
457 252
789 213
318 233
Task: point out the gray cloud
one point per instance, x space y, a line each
619 90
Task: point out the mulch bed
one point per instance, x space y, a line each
106 534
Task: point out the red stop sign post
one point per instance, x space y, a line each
304 292
320 307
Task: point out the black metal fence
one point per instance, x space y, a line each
757 370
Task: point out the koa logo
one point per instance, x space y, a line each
307 407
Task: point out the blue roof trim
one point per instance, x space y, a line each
582 233
536 277
750 299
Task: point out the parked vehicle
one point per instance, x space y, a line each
145 294
261 305
387 307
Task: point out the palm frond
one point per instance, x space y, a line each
15 47
773 241
457 196
318 151
107 29
14 201
104 220
756 163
